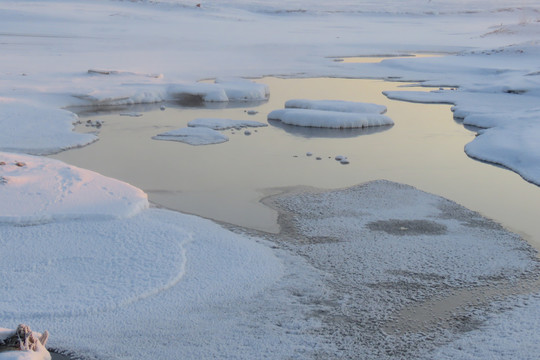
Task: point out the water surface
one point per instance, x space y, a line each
226 181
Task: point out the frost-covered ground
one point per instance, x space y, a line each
162 285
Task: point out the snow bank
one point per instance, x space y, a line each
223 124
336 105
161 276
40 190
193 136
514 146
329 119
38 129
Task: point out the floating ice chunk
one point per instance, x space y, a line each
40 352
223 124
44 190
252 112
193 136
243 89
340 157
38 130
329 119
199 92
336 105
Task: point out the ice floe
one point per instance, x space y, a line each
336 105
329 119
193 136
40 190
224 124
38 130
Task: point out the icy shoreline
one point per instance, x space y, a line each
210 276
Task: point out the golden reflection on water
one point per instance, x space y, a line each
226 181
378 59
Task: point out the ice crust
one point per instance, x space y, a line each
194 136
224 124
329 119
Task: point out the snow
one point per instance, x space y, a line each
336 105
224 124
95 255
40 354
193 136
37 129
42 190
329 119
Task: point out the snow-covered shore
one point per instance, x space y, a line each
110 278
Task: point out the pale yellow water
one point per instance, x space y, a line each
226 181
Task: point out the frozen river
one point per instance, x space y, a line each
226 182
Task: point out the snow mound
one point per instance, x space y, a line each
81 267
515 147
243 89
193 136
336 105
329 119
39 190
38 130
223 124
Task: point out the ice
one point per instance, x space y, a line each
40 190
329 119
193 136
37 129
40 354
223 124
243 89
336 105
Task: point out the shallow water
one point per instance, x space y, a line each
226 181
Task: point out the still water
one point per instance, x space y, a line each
226 181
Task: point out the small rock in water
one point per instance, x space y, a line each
318 158
344 161
162 107
309 154
247 132
2 163
252 112
20 164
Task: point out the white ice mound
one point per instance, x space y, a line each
193 136
88 266
336 105
36 189
38 130
224 124
329 119
243 89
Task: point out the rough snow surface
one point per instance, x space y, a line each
336 105
223 124
329 119
36 189
193 136
37 129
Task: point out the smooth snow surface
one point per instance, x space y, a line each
36 189
38 130
194 136
335 105
329 119
223 124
